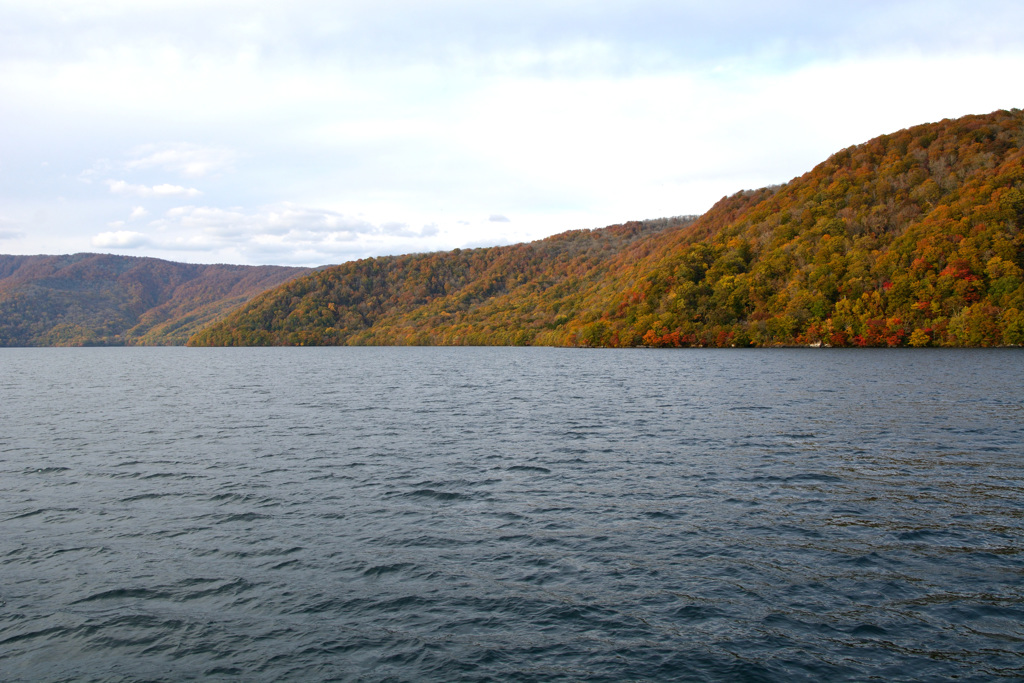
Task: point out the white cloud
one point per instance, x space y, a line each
162 190
407 113
10 230
184 158
286 234
120 239
498 218
100 168
397 229
273 220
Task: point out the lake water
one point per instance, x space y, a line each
511 514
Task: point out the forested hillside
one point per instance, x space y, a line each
496 295
101 299
913 238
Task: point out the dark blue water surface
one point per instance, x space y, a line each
511 514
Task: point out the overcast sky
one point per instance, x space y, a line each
309 132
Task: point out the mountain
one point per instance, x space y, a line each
913 238
517 294
101 299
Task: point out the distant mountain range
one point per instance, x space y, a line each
914 238
100 299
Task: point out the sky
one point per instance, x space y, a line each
312 132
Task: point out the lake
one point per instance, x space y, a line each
526 514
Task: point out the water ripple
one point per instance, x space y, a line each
511 514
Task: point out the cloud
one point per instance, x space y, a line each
410 113
396 229
285 233
163 190
184 158
120 239
100 167
9 230
528 34
275 220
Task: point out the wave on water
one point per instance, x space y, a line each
511 514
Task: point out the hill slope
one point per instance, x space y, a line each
495 295
913 238
101 299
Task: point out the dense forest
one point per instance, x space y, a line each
100 299
913 238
